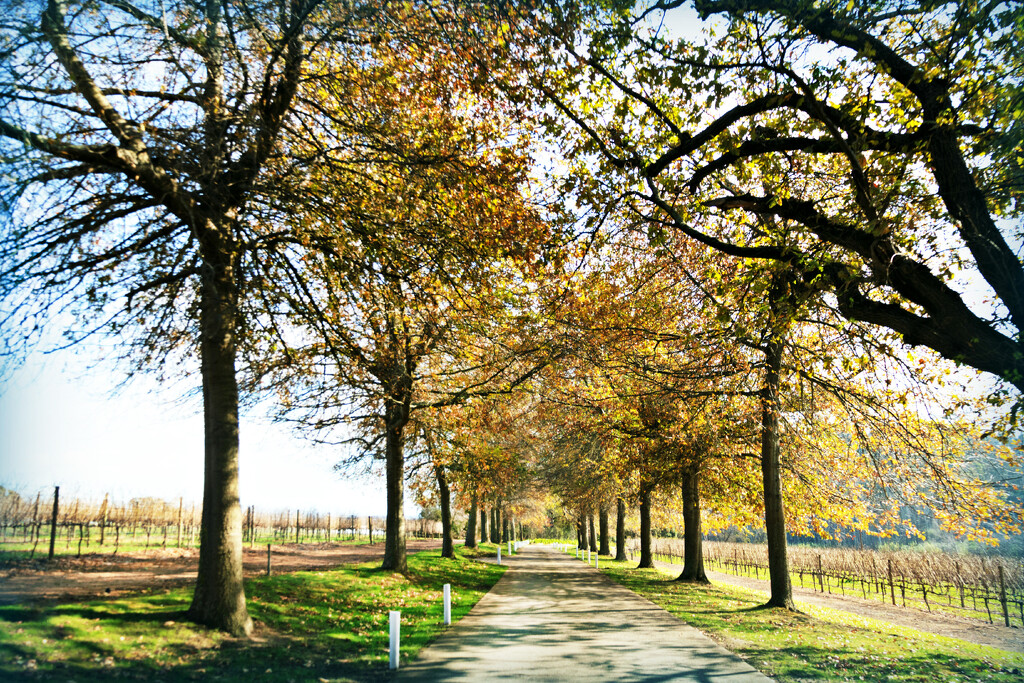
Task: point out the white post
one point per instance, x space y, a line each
394 621
499 554
597 561
510 548
447 604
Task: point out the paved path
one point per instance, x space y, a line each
554 618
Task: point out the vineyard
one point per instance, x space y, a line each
30 525
989 588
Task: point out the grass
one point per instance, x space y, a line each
941 598
311 626
820 645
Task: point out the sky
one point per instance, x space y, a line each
64 422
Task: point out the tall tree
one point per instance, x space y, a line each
420 223
883 142
143 152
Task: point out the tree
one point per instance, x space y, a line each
420 224
142 155
877 139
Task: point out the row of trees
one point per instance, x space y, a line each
605 243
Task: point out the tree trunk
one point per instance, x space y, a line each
483 525
494 525
693 544
593 532
646 556
396 413
581 532
774 512
620 530
447 550
471 524
602 516
219 597
505 537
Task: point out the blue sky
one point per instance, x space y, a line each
63 422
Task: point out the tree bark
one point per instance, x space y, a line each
471 524
605 542
396 412
774 512
504 527
581 532
593 532
219 597
447 549
495 524
646 556
693 543
620 530
483 524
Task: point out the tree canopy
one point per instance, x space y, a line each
750 259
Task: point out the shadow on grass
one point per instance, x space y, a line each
329 625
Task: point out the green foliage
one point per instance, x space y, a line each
310 625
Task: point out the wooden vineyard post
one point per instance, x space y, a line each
1002 597
53 519
298 526
34 531
821 576
181 502
268 559
328 527
892 590
960 585
369 523
103 516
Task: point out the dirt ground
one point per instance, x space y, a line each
99 575
102 574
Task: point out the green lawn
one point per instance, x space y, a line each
820 645
311 626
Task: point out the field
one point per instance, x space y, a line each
30 524
311 625
988 588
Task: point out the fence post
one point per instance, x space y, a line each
447 604
1002 597
892 590
394 621
297 526
499 554
53 520
268 559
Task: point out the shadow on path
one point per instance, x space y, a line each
554 618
